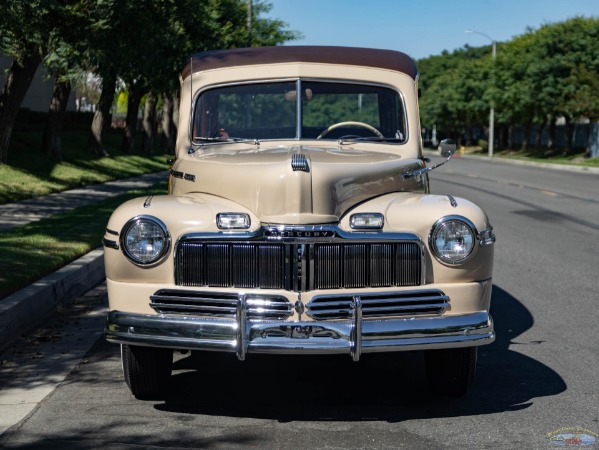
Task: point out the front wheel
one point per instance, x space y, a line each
146 369
451 371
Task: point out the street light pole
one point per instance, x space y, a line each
492 110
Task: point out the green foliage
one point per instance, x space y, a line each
552 71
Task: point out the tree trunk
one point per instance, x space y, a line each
176 112
52 141
102 117
17 82
551 140
539 135
569 135
168 127
148 123
510 136
526 135
135 95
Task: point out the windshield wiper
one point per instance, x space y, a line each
369 139
198 140
207 139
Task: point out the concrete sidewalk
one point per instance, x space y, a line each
29 307
31 210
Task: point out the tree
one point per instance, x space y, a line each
539 76
24 30
62 61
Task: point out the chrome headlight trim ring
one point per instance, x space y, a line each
136 221
437 226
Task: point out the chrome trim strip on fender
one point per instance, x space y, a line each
452 201
110 244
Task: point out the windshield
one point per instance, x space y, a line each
327 110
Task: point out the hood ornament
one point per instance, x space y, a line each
299 162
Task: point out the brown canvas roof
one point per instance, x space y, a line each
385 59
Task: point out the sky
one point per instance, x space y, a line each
421 28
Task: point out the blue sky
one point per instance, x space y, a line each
421 28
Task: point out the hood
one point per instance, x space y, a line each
297 184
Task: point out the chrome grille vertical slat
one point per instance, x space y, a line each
270 267
355 266
381 265
408 265
327 266
218 259
244 264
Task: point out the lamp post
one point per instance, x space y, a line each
492 111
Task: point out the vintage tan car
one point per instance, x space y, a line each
299 221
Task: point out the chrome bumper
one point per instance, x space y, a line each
353 337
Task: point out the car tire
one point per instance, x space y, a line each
147 370
450 371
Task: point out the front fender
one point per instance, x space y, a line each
183 214
417 213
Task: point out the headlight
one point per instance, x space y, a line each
453 239
144 240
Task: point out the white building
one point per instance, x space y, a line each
40 92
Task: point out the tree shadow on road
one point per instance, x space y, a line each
389 387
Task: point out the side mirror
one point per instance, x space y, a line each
447 148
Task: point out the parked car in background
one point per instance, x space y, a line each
299 221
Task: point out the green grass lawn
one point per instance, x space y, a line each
542 155
30 252
29 173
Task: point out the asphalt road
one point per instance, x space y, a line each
539 379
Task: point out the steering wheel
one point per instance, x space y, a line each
350 124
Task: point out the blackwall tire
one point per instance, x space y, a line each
450 372
147 370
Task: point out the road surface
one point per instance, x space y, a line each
538 380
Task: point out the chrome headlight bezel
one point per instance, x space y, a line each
441 225
136 222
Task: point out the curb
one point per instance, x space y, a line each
519 162
29 307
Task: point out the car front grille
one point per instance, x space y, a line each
296 266
219 304
323 307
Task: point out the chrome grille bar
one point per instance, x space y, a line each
323 307
298 266
219 304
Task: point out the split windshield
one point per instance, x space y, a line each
327 110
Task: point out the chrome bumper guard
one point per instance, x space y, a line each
353 337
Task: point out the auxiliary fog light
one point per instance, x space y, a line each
233 221
367 221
